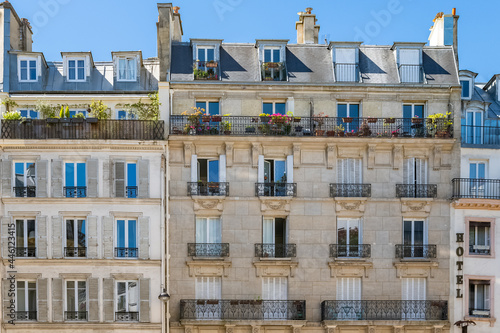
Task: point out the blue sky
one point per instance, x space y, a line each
120 25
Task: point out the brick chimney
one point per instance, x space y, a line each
307 30
445 31
169 29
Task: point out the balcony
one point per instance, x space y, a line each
83 129
350 251
311 126
208 188
25 315
127 316
274 189
79 252
211 250
350 190
75 315
411 73
206 70
416 251
26 252
126 252
275 250
242 309
474 188
25 191
416 190
347 72
384 310
480 135
75 191
132 191
273 71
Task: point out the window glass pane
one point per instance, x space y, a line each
133 300
276 55
32 70
472 170
407 111
122 68
31 296
342 232
201 54
132 68
31 233
132 234
418 111
279 108
70 233
81 175
20 233
70 296
465 88
267 56
33 114
267 108
131 174
353 232
418 237
407 231
19 171
70 174
341 110
71 70
21 296
210 54
213 108
24 70
213 171
202 106
354 110
120 233
82 296
280 171
481 172
81 233
122 114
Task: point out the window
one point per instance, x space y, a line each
275 177
126 239
127 69
349 289
348 110
126 182
349 171
208 170
477 172
208 230
126 115
76 238
273 68
76 69
479 238
348 237
275 171
209 108
274 238
206 64
275 289
474 127
414 239
25 238
25 183
75 180
466 89
413 127
413 289
73 113
346 67
206 53
274 107
479 298
127 300
76 300
208 294
28 70
410 68
415 171
29 114
26 300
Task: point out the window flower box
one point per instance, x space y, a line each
211 64
390 120
206 119
91 120
319 132
216 118
372 120
330 133
416 120
347 120
265 119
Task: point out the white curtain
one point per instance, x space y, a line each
208 287
268 231
208 230
349 289
349 171
275 288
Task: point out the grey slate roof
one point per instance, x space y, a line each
483 96
314 64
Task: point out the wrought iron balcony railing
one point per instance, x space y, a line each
411 73
75 315
350 251
350 190
416 190
346 72
132 191
208 249
127 316
25 252
345 127
384 310
126 252
25 191
25 315
75 191
276 189
480 135
83 129
80 252
473 188
208 188
275 250
242 309
416 251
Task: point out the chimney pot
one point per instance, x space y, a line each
454 11
176 9
308 10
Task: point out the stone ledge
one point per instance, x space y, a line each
353 268
418 268
275 268
208 268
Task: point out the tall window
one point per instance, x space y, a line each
210 108
477 172
76 180
274 238
349 289
25 184
415 171
413 110
275 289
208 230
479 298
413 289
348 237
27 70
410 69
127 298
25 238
76 300
346 68
30 114
206 64
349 170
126 183
275 171
26 300
208 170
208 288
126 239
474 127
274 107
272 68
466 88
348 110
206 53
479 238
127 69
414 238
76 238
76 70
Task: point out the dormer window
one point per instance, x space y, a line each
27 69
127 69
272 59
410 66
76 69
346 61
206 59
466 89
77 66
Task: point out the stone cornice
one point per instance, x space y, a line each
214 267
484 204
275 267
357 268
84 262
417 268
80 201
80 145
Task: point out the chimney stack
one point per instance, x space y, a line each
307 30
169 29
445 31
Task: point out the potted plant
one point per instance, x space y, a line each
225 126
64 115
216 119
340 130
416 120
364 129
320 120
389 120
264 117
47 111
78 118
99 110
206 118
12 115
250 129
372 120
211 64
10 104
296 119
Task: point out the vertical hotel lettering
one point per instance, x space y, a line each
460 264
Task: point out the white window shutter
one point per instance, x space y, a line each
42 300
144 239
41 178
57 178
6 220
222 168
57 300
360 232
290 105
41 226
260 169
144 286
57 233
92 240
194 168
108 299
93 284
289 169
143 176
487 297
358 171
107 235
340 170
119 178
7 178
421 170
92 172
409 171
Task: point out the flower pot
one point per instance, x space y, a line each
216 118
389 120
211 65
64 120
52 120
279 120
296 119
92 120
264 119
227 132
341 133
272 65
206 119
319 132
416 120
395 135
372 120
330 133
347 120
250 130
77 120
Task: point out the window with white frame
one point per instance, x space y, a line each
208 170
25 238
208 293
473 126
410 65
346 66
126 179
75 176
274 288
29 114
349 289
208 230
127 299
413 289
127 69
26 300
76 300
126 238
466 88
479 238
348 237
479 298
24 179
206 62
28 69
208 176
73 113
414 171
349 170
275 238
414 239
478 188
76 69
348 110
126 115
273 107
76 238
208 107
413 110
273 64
